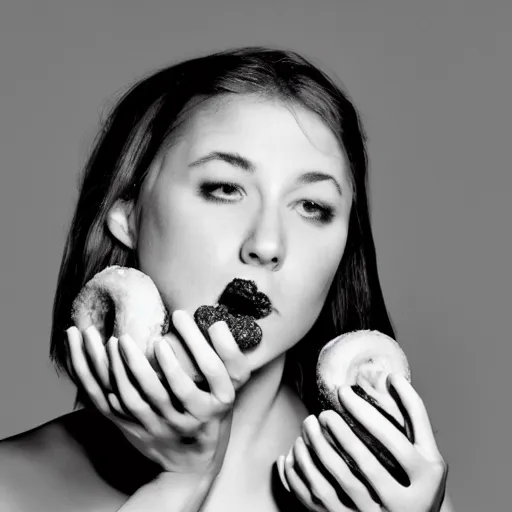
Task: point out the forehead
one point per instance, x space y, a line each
262 128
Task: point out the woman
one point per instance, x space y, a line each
246 164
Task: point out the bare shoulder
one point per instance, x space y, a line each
44 469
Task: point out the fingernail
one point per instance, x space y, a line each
90 330
219 327
177 313
112 341
280 465
70 330
343 392
164 347
126 338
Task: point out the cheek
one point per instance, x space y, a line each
309 280
317 267
178 247
174 230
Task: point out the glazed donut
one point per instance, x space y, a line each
361 359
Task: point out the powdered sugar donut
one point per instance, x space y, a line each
361 359
121 300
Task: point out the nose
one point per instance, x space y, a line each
264 246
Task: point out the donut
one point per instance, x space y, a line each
362 360
121 300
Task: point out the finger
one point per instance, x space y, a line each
229 352
207 360
378 426
337 466
119 411
415 407
322 492
282 476
297 485
349 442
194 401
83 373
151 386
123 420
129 396
96 350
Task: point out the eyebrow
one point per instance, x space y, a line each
244 164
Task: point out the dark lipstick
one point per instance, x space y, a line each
242 296
239 305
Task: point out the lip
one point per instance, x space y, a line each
243 297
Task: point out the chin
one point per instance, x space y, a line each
270 349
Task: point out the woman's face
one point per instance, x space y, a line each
255 190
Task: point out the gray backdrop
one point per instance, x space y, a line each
432 81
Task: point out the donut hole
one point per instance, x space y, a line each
103 315
109 319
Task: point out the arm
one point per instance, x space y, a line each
172 492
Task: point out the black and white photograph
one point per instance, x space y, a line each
255 256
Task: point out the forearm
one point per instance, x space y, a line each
171 492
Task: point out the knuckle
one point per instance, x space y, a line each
351 484
185 392
212 368
227 400
340 471
241 377
326 415
322 493
439 468
138 408
187 426
162 400
369 468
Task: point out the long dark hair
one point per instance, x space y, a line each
148 116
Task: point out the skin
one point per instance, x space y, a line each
192 247
264 226
261 220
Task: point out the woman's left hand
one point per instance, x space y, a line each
313 456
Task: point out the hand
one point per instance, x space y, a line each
314 469
169 420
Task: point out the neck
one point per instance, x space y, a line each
254 405
267 419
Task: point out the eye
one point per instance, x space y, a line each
315 212
220 192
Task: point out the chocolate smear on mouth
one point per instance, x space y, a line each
239 306
241 296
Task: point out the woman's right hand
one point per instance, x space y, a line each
169 419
